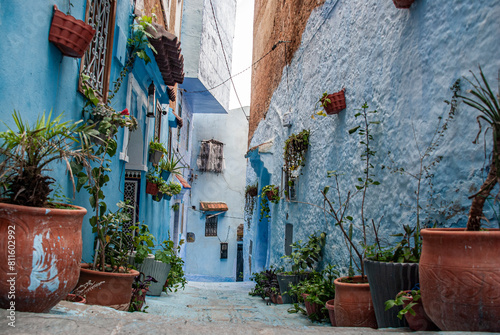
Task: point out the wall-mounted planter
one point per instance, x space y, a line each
158 197
336 104
151 188
165 174
155 156
70 35
402 3
167 197
272 193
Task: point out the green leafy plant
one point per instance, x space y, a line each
170 189
266 283
268 193
155 145
175 207
487 104
142 241
412 296
139 288
295 150
321 104
28 150
169 254
339 213
171 165
306 255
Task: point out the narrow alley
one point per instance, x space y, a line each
202 308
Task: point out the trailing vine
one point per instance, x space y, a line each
295 150
251 193
269 193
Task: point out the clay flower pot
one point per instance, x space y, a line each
70 35
353 304
460 278
420 321
151 188
45 253
75 298
330 305
403 3
313 308
336 104
106 288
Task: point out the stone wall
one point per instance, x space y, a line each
401 62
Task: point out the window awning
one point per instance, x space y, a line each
213 206
168 57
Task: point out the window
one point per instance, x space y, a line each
288 239
223 250
211 226
211 157
96 62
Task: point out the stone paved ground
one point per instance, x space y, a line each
202 308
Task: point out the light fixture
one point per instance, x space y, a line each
151 100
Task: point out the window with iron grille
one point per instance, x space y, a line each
211 157
211 226
223 250
96 62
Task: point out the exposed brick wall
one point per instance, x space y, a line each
274 20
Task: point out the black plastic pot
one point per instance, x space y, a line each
386 281
284 281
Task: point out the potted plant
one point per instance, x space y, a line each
176 278
266 285
403 3
170 166
140 287
156 151
412 309
332 103
303 258
269 193
70 35
170 189
152 183
353 303
459 270
41 240
295 150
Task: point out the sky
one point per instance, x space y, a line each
242 53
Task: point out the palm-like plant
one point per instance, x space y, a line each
171 165
485 101
28 150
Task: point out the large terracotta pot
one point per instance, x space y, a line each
460 279
106 288
386 280
353 304
40 254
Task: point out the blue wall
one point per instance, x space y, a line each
36 77
402 63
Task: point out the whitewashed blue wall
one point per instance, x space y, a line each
402 63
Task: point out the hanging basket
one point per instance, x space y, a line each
336 104
403 3
155 156
158 197
70 35
151 188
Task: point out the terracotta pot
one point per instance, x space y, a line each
75 298
353 304
313 308
336 104
419 321
271 193
330 306
386 280
403 3
70 35
106 288
460 279
151 188
40 253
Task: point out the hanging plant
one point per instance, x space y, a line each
269 193
295 150
251 191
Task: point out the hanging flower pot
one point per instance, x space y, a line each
70 35
155 156
158 197
402 3
336 104
151 188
